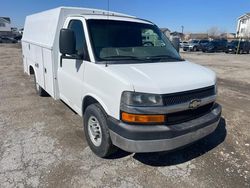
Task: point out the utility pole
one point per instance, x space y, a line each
182 29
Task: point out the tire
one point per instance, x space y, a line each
40 91
195 49
97 132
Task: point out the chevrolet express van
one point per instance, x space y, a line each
131 95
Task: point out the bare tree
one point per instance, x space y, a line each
214 32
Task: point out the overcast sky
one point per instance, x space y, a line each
194 15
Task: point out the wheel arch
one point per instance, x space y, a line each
91 99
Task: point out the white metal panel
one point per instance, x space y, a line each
118 18
24 53
70 80
105 86
48 71
39 65
43 28
164 77
70 77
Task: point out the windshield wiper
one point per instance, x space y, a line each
163 57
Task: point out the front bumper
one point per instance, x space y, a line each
189 48
186 48
154 138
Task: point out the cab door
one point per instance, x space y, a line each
71 70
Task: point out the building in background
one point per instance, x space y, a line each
5 24
180 35
243 26
166 31
228 36
190 36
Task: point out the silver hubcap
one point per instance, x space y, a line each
94 130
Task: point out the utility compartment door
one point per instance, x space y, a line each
48 71
38 64
25 54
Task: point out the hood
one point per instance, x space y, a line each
192 44
209 45
164 77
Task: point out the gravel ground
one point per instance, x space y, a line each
42 142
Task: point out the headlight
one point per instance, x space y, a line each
141 99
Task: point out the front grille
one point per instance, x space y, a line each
187 115
187 96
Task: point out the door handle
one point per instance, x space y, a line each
37 65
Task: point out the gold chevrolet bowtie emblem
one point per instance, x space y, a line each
194 103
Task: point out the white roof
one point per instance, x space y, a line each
244 16
43 28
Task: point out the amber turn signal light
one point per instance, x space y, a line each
138 118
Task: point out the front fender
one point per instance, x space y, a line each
98 99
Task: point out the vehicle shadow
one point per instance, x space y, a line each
179 156
187 153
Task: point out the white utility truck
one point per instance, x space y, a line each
131 95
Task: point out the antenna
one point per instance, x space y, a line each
108 7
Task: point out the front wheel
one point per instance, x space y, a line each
97 132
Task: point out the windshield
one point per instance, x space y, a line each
194 41
204 41
122 40
234 42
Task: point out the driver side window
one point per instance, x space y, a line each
81 46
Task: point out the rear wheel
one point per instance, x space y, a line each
40 91
97 132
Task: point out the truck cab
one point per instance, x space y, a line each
131 95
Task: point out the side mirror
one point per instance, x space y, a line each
67 42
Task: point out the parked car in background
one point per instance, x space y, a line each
8 40
232 47
18 37
183 43
195 45
192 45
215 46
202 43
1 40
